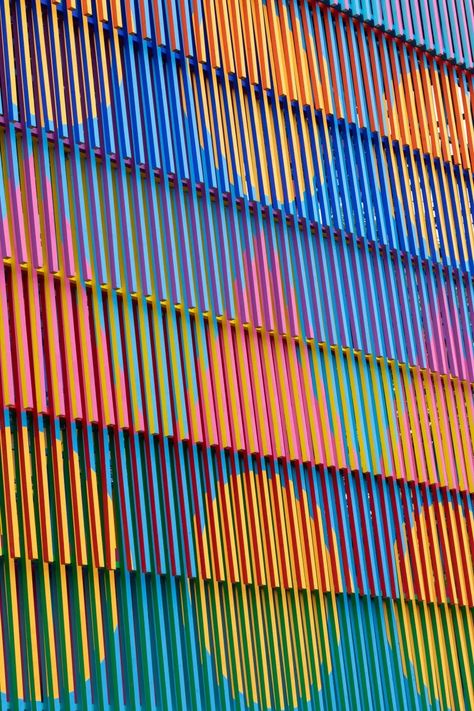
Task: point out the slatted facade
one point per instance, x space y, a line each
236 354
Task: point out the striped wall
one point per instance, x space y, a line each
236 354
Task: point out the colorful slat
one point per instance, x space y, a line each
236 354
443 27
238 260
231 646
76 495
164 370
